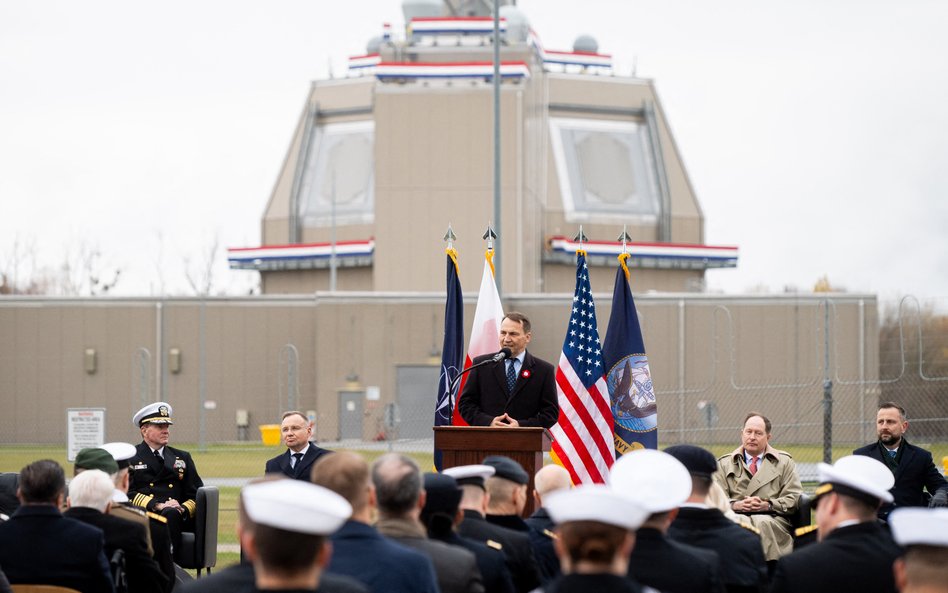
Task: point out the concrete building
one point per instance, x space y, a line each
382 161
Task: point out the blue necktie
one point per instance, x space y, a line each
892 454
511 376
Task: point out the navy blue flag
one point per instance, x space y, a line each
631 394
452 351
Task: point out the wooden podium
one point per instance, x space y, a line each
469 445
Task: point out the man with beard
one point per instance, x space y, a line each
912 466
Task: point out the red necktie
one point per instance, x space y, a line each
753 466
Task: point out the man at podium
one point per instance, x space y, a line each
518 389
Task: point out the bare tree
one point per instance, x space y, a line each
200 272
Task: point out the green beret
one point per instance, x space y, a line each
95 458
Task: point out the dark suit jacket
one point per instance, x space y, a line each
672 567
742 564
152 482
281 463
916 471
854 558
141 570
455 567
361 552
532 403
239 578
38 545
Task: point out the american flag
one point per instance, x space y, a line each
583 436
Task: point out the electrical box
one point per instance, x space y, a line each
89 360
243 418
174 360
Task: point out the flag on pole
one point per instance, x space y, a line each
485 332
452 350
583 436
630 383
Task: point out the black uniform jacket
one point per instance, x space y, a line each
281 463
141 570
490 561
514 544
39 545
160 541
740 554
916 471
152 482
239 578
852 558
673 567
541 537
532 403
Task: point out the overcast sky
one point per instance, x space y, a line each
815 133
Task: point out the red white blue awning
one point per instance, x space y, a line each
363 62
417 70
306 256
645 255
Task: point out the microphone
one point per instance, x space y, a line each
504 353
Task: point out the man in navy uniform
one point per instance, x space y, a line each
855 551
164 480
912 466
301 451
924 534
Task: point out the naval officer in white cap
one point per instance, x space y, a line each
924 534
595 528
855 553
284 527
164 480
659 483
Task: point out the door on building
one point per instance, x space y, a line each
416 393
350 414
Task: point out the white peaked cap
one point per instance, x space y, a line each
120 451
470 474
860 473
920 526
652 479
297 506
155 413
595 502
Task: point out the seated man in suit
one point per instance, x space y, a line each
912 466
301 451
40 546
519 391
762 483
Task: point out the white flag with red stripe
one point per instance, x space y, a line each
583 435
485 333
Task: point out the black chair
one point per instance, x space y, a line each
199 549
801 517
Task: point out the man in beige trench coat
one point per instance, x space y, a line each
762 485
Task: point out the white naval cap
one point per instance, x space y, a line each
120 452
652 479
920 526
595 502
294 505
156 413
470 475
856 475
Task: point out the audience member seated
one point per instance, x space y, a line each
762 483
90 498
40 546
